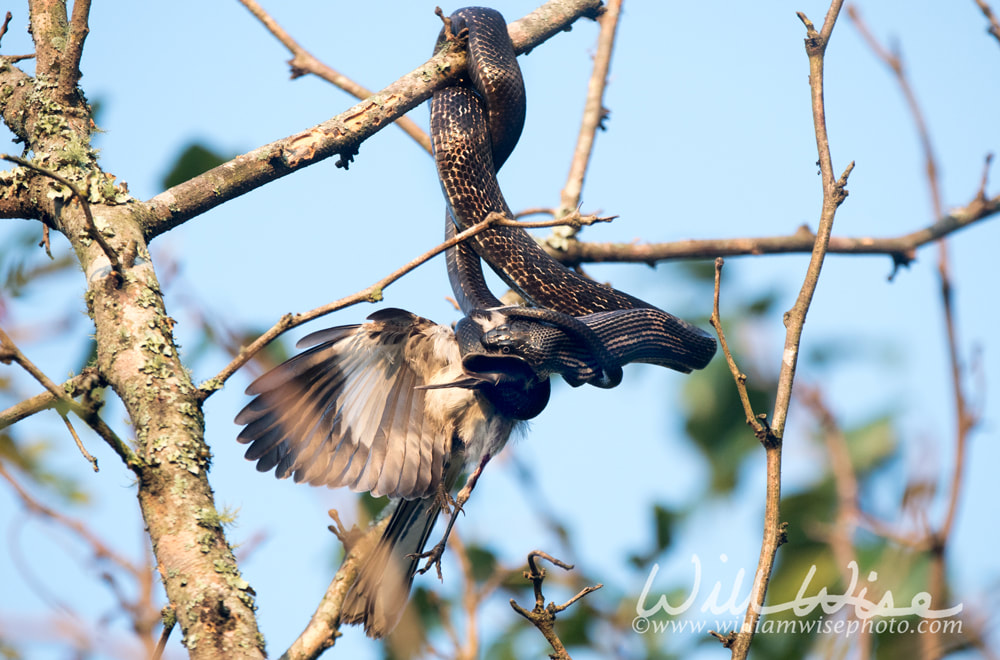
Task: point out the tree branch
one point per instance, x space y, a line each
594 115
994 28
10 352
543 616
834 193
48 28
965 418
303 62
100 549
902 249
78 31
92 231
323 628
88 380
372 293
344 133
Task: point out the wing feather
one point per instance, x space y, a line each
349 412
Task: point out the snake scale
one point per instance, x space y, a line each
474 128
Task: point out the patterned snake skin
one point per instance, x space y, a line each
474 128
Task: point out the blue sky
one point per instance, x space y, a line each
710 135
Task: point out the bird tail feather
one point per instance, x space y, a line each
379 593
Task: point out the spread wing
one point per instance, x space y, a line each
348 411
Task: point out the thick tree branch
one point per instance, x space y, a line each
48 29
15 90
136 353
92 231
78 31
345 132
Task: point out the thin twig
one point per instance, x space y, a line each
895 63
542 616
6 22
372 294
88 379
841 539
594 115
994 28
10 352
470 602
100 549
92 230
834 193
965 418
757 422
303 62
985 178
79 444
169 621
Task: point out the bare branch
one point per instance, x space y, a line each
6 22
79 444
372 293
323 628
303 62
834 193
757 422
895 63
544 617
89 379
78 31
594 115
965 418
100 549
10 352
345 132
902 249
994 28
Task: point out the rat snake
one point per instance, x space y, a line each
578 328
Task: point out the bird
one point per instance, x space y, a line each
387 407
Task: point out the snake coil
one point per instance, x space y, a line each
579 328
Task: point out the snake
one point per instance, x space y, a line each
576 327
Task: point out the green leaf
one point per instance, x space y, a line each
194 159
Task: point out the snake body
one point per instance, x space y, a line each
474 128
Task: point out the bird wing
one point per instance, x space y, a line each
350 411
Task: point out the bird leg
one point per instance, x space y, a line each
433 556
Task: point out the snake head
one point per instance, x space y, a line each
509 338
